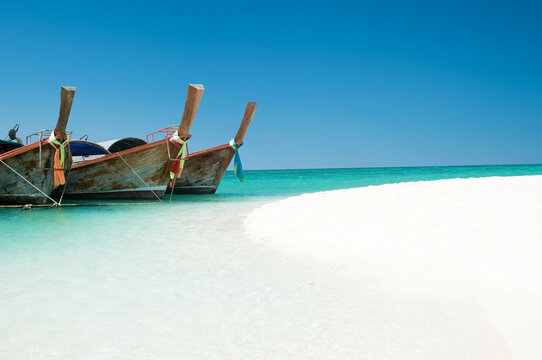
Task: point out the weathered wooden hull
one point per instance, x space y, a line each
110 177
203 171
26 161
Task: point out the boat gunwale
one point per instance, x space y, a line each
200 152
21 149
143 147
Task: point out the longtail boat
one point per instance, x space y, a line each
28 174
126 171
204 169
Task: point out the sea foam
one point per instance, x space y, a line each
475 239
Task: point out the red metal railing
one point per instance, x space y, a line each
167 131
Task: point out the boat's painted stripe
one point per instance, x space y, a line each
225 146
21 149
132 194
196 187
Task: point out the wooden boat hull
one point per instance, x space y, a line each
110 177
203 171
26 161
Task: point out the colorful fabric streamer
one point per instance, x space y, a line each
237 166
178 163
60 154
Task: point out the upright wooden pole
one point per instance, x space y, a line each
245 123
66 99
193 98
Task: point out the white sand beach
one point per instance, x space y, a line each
468 241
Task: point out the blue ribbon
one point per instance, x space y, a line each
237 166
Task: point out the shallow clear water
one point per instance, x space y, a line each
182 279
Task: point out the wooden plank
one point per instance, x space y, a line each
66 99
193 98
245 123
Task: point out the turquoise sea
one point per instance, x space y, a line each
281 183
182 279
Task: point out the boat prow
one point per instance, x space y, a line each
28 174
205 169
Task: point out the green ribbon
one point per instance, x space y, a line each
181 155
61 145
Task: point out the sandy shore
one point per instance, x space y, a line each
476 240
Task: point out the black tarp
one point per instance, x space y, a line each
125 144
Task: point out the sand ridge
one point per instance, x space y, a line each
478 239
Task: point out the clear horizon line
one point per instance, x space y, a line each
392 167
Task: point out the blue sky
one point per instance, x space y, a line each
338 84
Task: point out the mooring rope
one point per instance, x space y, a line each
65 186
143 181
172 189
35 187
39 206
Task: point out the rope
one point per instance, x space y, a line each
237 167
39 206
35 187
172 189
143 181
178 164
65 186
